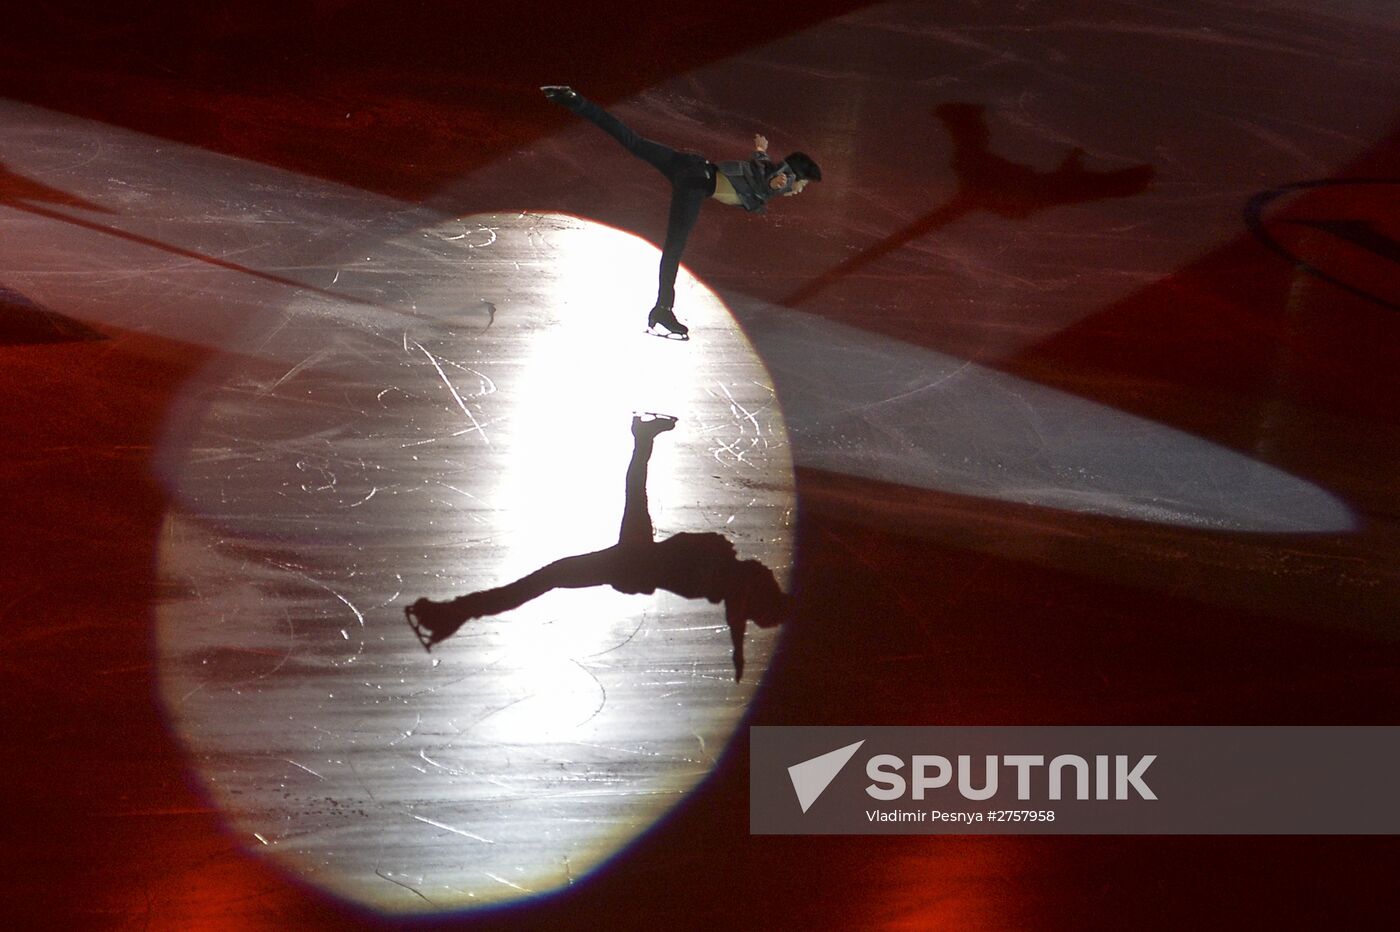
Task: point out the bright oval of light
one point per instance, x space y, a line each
355 457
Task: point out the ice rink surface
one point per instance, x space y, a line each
1068 396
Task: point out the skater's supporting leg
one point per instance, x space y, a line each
685 210
636 514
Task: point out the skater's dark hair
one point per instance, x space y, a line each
803 166
755 594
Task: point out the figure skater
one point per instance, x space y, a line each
748 184
693 565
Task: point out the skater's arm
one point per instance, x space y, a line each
734 618
777 181
760 151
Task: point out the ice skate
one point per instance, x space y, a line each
563 95
433 621
663 316
649 424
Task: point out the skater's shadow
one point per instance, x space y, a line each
987 181
693 565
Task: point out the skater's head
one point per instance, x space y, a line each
803 170
754 595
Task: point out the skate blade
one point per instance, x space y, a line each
423 639
678 337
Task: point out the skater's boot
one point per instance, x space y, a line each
648 425
434 621
662 315
563 95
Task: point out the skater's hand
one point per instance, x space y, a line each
760 142
778 181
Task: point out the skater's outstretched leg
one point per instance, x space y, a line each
437 621
663 158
